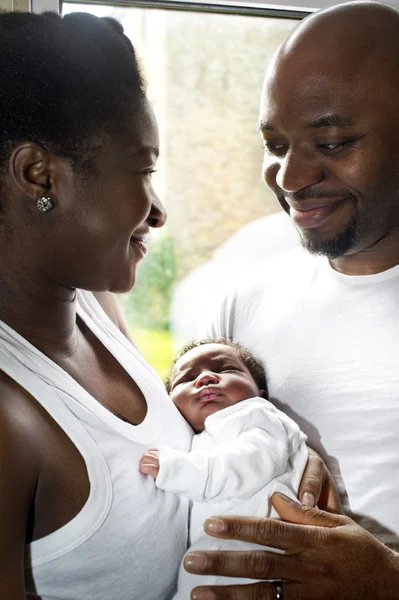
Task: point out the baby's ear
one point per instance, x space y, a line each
262 394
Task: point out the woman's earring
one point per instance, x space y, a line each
45 204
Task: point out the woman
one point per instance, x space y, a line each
78 405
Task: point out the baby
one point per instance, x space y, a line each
244 451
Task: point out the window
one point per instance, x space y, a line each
204 73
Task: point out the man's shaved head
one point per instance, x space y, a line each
356 25
362 37
330 120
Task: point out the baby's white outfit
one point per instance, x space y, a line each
246 452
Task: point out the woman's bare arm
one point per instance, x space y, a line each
19 468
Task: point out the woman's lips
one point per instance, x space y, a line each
140 245
314 217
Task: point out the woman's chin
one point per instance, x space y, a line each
124 283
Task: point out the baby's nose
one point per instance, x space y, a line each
206 378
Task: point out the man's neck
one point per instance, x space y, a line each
378 258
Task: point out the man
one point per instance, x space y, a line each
326 321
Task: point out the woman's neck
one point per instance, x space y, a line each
46 317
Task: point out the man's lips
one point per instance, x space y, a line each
312 213
207 394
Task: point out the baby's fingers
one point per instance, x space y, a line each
149 464
147 469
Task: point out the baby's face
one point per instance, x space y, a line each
207 379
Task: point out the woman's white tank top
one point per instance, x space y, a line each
128 540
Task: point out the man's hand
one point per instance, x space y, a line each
149 463
327 557
318 486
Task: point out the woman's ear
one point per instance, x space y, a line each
262 394
31 169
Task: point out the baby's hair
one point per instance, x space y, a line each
254 365
64 82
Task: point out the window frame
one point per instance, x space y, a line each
227 8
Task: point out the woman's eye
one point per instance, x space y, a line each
150 172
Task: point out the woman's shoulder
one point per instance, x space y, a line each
18 414
19 477
12 394
19 426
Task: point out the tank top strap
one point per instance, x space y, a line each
97 507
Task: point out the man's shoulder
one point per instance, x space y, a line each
281 275
271 287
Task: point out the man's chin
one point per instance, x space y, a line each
333 247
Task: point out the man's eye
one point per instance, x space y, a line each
335 146
331 146
275 148
229 368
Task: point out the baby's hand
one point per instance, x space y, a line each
149 463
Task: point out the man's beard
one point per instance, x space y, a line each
334 247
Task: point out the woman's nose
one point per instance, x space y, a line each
158 214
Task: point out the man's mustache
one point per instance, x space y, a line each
292 197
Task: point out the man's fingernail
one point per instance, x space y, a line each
202 594
308 499
287 499
214 526
195 562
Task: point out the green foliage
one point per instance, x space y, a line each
157 348
148 304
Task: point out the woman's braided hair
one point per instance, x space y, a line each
63 81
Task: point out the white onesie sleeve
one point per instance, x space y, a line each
241 450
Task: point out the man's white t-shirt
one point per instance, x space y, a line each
330 343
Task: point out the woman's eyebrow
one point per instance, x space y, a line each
147 150
264 126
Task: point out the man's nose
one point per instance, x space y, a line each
206 378
298 171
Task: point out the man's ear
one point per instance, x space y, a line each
31 168
262 394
